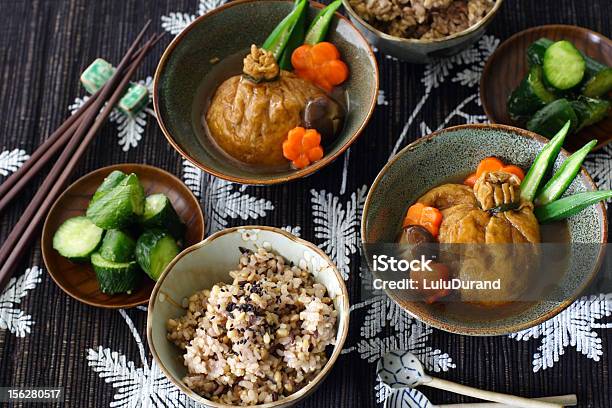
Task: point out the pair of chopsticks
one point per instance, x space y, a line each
74 136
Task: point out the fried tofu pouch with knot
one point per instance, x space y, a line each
250 114
490 213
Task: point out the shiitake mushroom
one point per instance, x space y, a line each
325 115
420 242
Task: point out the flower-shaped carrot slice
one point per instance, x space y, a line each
320 64
302 147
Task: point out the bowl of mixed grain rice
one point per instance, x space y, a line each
422 31
251 316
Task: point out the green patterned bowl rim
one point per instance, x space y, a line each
401 40
511 328
327 159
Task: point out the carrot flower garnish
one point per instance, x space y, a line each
302 147
320 64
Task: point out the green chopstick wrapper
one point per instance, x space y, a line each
99 72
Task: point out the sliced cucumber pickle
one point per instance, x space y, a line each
155 249
77 238
115 277
530 96
111 181
564 65
548 120
118 246
120 206
159 213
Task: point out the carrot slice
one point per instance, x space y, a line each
295 135
316 153
428 217
301 162
311 139
290 150
301 58
516 170
335 71
471 180
324 51
489 164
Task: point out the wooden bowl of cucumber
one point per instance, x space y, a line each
112 233
528 83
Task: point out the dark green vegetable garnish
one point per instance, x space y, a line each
599 85
569 206
542 163
530 96
548 120
564 65
278 39
295 40
117 246
504 208
557 185
589 110
320 25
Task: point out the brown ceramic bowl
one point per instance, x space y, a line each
418 168
507 66
79 280
420 51
192 58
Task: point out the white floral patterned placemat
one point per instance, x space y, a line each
336 218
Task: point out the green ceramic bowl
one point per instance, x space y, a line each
456 151
229 31
417 50
203 265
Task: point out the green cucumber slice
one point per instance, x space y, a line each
600 85
548 120
159 213
536 51
111 181
590 110
154 251
530 96
77 238
115 277
564 65
117 246
120 206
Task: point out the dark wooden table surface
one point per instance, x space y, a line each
101 357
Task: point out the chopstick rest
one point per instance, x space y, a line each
99 72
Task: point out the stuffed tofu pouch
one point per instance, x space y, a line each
251 114
492 212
